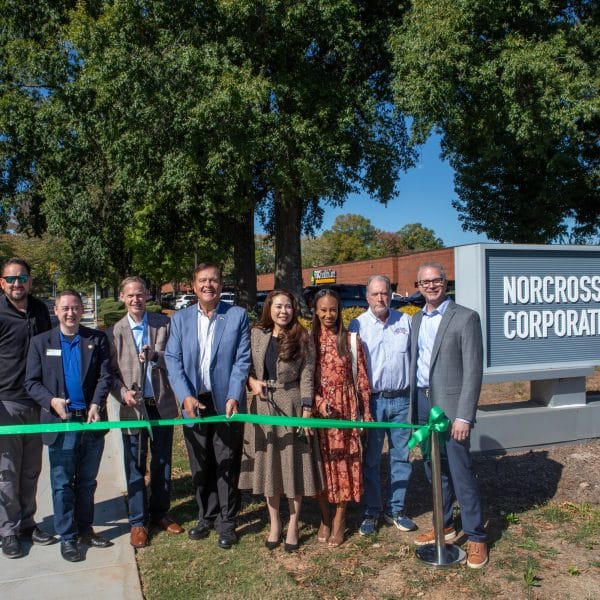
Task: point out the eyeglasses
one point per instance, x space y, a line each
13 278
431 282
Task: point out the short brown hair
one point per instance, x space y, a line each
207 265
16 261
68 292
132 279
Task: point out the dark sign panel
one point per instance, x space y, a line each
542 306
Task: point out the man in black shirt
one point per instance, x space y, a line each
21 317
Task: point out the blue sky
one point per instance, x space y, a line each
425 196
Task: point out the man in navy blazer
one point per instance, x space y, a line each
68 375
208 359
446 371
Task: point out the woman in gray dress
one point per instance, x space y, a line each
281 461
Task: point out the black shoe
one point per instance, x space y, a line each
201 531
272 545
37 536
291 547
227 540
95 540
70 551
11 547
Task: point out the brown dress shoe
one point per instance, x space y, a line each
139 537
167 524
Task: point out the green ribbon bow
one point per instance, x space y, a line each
437 421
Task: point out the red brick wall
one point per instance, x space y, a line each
402 270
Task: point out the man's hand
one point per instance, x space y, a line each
60 407
130 398
192 405
231 407
460 430
93 414
146 350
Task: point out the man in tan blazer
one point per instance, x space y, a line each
137 335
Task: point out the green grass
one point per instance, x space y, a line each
525 547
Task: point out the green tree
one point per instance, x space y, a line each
184 117
414 236
47 256
513 87
328 127
351 237
265 254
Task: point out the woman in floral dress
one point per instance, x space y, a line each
338 396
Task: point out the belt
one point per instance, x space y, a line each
149 401
78 414
425 390
392 393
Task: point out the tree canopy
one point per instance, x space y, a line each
513 88
170 122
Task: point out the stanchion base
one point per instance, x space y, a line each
428 554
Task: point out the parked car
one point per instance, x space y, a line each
185 301
260 299
351 295
228 297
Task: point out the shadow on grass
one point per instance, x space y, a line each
508 483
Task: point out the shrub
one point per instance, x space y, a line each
107 305
153 307
111 317
410 310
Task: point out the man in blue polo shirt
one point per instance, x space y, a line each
68 375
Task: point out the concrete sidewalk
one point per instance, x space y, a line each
105 573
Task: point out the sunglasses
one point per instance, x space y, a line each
13 278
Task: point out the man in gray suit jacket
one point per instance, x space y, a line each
208 359
446 371
137 336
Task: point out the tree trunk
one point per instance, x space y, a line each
288 270
244 263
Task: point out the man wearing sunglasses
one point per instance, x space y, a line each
21 317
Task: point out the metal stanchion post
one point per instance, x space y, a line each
439 554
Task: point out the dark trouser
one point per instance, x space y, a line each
214 450
20 466
458 480
156 505
74 462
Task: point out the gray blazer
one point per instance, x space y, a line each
127 367
456 367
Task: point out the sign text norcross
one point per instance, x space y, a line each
551 290
539 305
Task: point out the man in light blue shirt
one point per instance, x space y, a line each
385 335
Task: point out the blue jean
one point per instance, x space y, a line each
390 410
74 462
155 506
458 479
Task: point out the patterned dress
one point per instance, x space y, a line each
336 398
275 461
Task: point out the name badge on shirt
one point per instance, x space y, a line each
53 352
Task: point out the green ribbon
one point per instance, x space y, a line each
437 422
